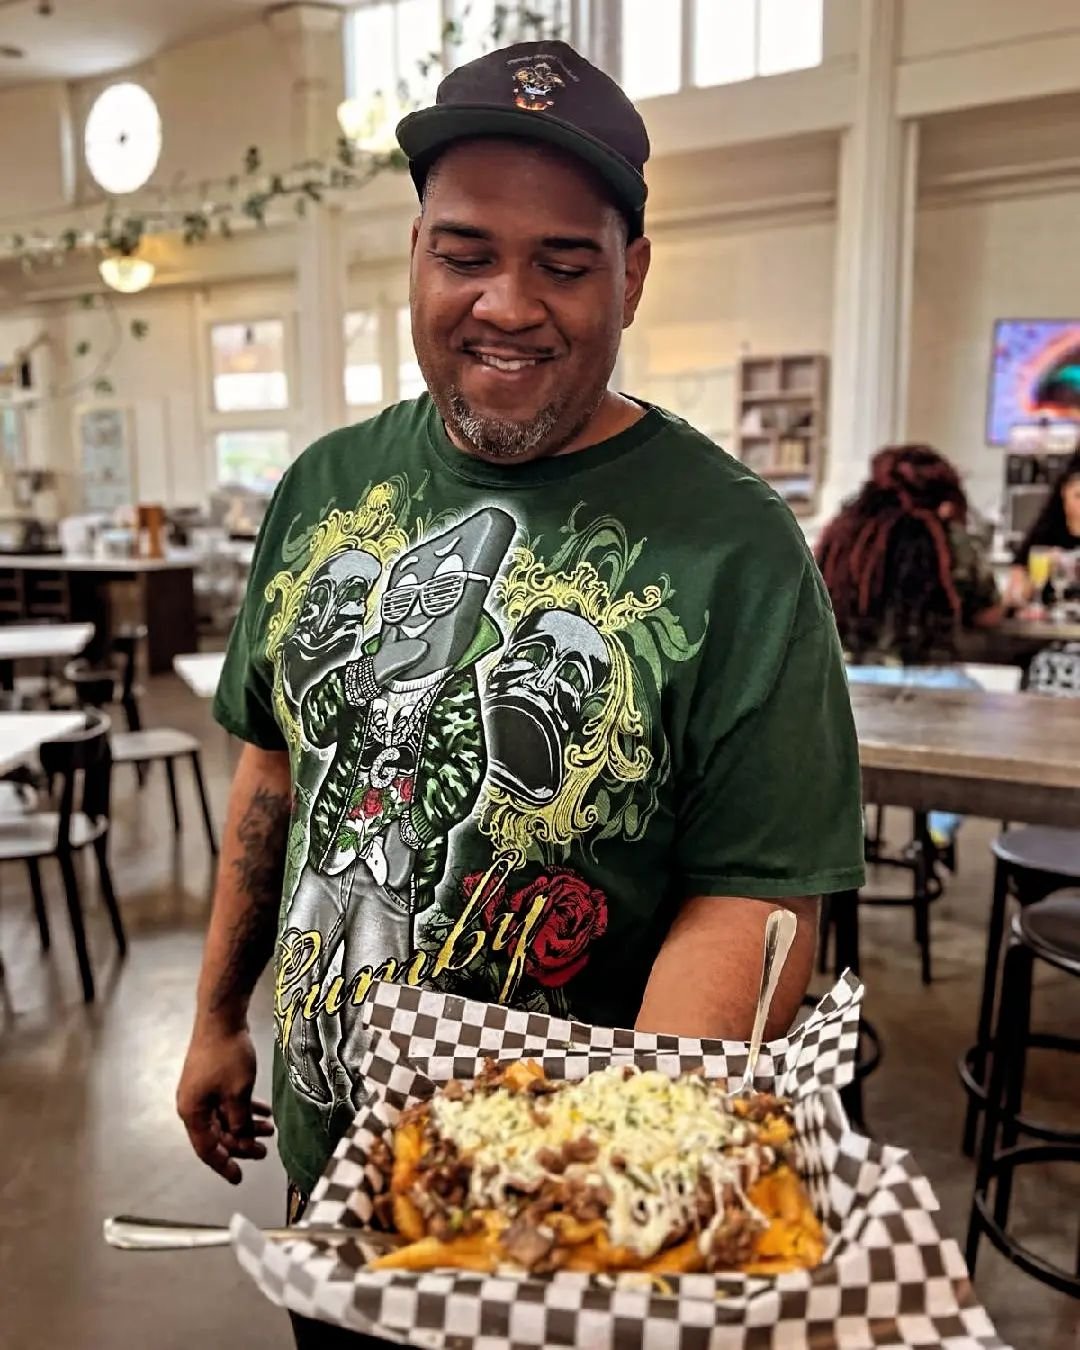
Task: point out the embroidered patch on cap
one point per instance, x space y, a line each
535 84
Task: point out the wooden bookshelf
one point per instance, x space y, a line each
780 415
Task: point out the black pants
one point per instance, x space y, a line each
322 1336
312 1335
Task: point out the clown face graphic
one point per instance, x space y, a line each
331 621
538 697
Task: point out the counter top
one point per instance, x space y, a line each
78 562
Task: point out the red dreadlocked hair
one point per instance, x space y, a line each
875 551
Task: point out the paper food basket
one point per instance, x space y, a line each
889 1279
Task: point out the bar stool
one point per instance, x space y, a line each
1032 861
920 858
1047 930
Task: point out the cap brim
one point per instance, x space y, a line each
423 133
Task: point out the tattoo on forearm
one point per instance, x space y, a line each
262 834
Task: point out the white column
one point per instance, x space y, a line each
874 244
909 208
322 279
312 37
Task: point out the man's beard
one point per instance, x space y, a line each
498 438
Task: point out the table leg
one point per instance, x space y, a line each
845 914
169 614
845 910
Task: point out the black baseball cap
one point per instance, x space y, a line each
539 91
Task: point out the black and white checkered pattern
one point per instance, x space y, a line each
888 1279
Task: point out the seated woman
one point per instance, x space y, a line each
1057 526
906 578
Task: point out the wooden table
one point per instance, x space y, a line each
1009 757
200 671
161 596
40 641
1012 757
21 734
1015 641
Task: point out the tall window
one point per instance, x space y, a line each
363 369
707 42
400 49
410 381
390 45
254 460
248 365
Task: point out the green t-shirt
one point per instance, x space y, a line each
529 709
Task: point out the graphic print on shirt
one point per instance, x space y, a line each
448 679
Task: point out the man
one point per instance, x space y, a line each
586 721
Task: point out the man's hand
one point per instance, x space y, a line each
214 1101
214 1096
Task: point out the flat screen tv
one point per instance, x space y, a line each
1035 375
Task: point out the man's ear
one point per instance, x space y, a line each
415 236
638 257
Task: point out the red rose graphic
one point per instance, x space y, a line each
372 803
574 916
404 788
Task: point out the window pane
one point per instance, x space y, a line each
251 459
651 50
790 35
11 438
476 19
410 381
724 40
418 57
249 366
363 373
371 50
388 43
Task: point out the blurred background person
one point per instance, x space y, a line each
907 577
1057 527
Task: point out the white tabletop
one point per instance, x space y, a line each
200 671
24 641
21 733
80 562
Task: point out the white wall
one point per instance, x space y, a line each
975 263
932 27
163 379
713 295
217 97
744 182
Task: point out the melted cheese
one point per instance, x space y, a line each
666 1136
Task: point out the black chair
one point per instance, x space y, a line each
82 763
142 747
1049 931
1032 861
89 682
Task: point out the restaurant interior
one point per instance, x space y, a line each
864 217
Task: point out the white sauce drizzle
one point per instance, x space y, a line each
670 1134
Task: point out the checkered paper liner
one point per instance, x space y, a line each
888 1279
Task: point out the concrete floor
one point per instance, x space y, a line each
87 1125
